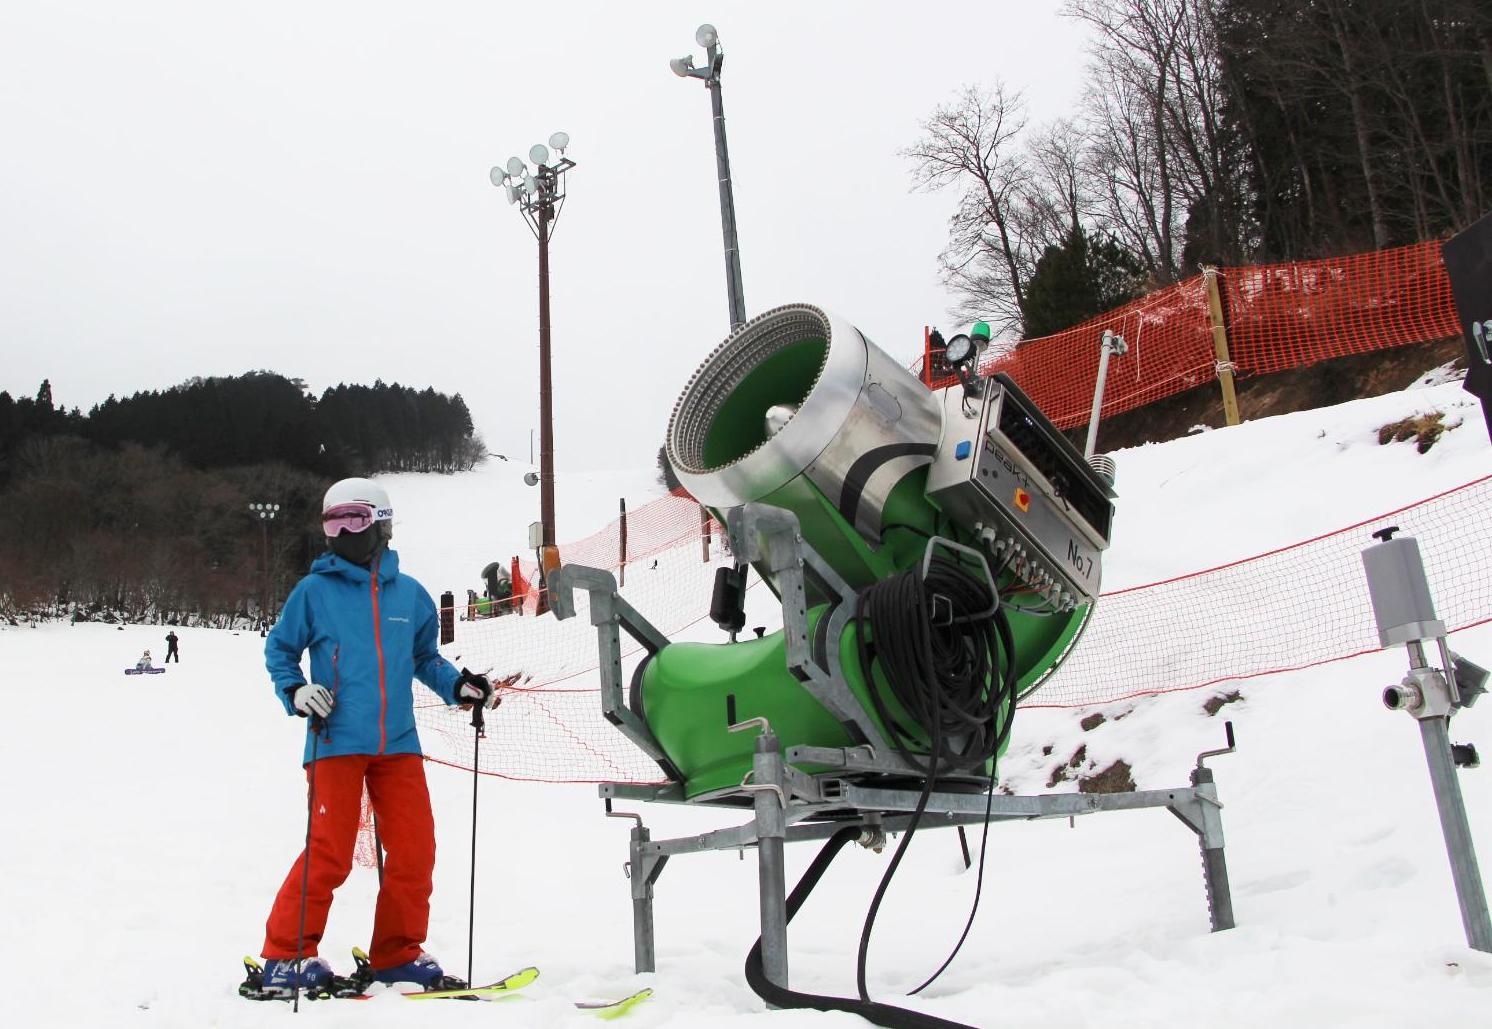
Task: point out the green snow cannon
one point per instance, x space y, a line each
946 554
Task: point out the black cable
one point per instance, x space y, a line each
780 996
937 654
940 674
1007 640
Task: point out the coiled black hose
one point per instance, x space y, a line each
939 658
938 652
951 667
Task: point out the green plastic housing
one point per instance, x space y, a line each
689 692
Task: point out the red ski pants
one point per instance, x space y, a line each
396 787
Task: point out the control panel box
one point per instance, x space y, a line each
1003 471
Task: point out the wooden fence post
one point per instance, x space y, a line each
1220 345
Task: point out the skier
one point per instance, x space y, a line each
370 630
171 650
143 665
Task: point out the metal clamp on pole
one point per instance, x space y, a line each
1405 613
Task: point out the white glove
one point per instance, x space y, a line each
311 699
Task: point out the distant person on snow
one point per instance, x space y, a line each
144 662
171 650
371 630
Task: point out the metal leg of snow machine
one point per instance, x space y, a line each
789 806
768 789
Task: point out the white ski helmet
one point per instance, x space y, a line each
360 491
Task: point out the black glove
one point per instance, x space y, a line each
474 690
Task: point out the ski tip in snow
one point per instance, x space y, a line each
609 1009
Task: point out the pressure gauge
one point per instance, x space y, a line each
959 351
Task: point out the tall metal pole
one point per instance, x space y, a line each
264 595
265 513
539 197
546 397
1454 826
734 295
707 37
1110 343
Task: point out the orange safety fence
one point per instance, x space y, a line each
1282 316
1275 317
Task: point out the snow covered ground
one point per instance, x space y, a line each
148 820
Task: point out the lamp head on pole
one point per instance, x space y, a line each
707 37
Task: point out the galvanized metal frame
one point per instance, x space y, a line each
789 805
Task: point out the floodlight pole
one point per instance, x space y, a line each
546 392
727 198
539 198
735 298
266 513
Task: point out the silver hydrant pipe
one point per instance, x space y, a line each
1110 343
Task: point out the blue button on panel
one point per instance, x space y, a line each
962 450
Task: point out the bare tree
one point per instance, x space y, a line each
971 144
1134 100
1059 195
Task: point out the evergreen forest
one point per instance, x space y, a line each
140 508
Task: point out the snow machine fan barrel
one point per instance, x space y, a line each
798 410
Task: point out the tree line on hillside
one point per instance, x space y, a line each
140 508
1213 131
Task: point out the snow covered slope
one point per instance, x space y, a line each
149 820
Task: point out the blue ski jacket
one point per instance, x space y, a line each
368 638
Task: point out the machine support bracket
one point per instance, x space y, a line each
789 806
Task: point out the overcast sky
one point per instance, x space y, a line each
201 188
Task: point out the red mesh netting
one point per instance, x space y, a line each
1282 316
1277 317
550 726
1170 350
1290 608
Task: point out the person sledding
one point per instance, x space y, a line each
371 630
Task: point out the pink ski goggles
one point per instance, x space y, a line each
347 518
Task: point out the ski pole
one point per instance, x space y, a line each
305 874
378 849
471 907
